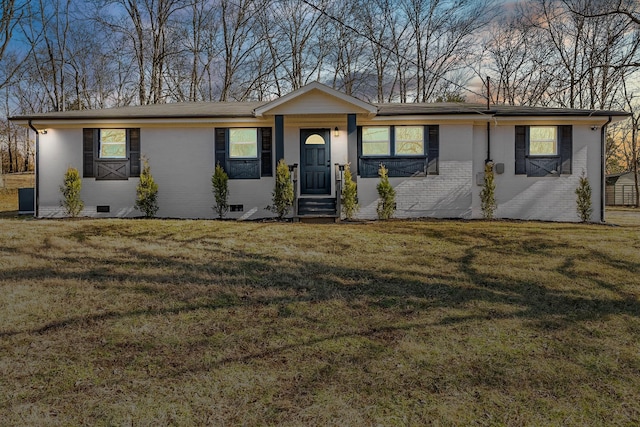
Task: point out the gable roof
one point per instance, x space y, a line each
348 102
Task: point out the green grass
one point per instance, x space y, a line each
9 185
148 322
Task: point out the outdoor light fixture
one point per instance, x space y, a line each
42 131
336 132
594 128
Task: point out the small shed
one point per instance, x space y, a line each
620 189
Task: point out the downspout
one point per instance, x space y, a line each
603 161
36 171
488 142
488 159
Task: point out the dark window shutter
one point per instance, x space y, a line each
433 149
266 151
134 151
221 147
522 133
88 157
566 148
359 136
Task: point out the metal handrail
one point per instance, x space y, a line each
293 169
339 179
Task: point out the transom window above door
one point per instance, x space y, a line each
314 139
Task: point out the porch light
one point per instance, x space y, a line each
336 132
42 131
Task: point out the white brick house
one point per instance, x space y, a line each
435 154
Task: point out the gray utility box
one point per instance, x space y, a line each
26 201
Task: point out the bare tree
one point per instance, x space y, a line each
297 44
8 22
47 30
148 29
442 33
239 38
632 144
345 50
514 58
587 52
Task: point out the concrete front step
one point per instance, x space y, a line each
317 207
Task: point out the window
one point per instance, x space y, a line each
376 141
244 153
314 139
113 144
243 143
111 154
542 141
543 150
409 141
404 150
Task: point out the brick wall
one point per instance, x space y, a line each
447 195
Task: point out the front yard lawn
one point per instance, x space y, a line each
149 322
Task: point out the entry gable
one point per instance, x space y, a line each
316 98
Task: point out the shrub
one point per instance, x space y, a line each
349 194
584 199
70 189
488 193
387 201
220 182
147 192
283 191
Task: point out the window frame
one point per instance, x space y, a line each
555 141
395 141
543 165
388 141
401 165
102 143
245 167
110 168
255 143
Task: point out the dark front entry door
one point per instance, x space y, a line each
315 158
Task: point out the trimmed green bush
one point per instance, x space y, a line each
283 191
583 201
220 183
147 192
70 189
488 193
387 201
349 194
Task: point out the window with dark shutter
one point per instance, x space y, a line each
400 149
543 150
248 156
104 158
